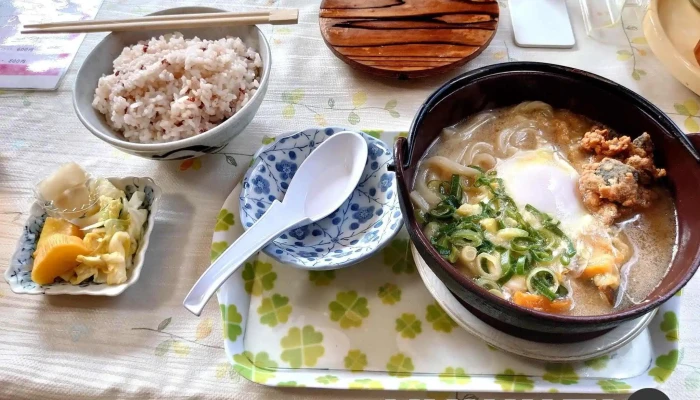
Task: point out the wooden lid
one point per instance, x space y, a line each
408 38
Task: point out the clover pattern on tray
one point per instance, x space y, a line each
18 273
367 219
286 333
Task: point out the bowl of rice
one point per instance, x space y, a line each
168 95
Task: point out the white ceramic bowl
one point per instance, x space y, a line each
18 273
99 63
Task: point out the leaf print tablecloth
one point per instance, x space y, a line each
144 344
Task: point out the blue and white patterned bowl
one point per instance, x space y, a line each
367 220
18 273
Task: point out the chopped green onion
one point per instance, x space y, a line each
488 284
442 211
507 267
522 243
542 255
456 188
454 254
521 265
467 237
420 216
543 280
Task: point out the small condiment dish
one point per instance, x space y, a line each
366 221
18 273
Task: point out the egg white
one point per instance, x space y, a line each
546 180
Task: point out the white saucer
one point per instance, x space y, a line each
553 352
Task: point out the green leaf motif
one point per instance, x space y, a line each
163 347
268 139
394 114
598 363
454 376
232 321
665 364
290 384
638 73
331 103
164 323
624 55
408 326
257 368
442 322
327 379
389 293
365 384
223 370
348 309
181 348
397 255
375 133
681 109
359 98
293 97
258 276
691 125
512 382
224 220
353 118
216 249
302 347
412 385
274 310
491 347
613 386
399 365
391 104
670 326
288 111
692 106
355 361
560 373
322 278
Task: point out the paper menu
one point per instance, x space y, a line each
39 61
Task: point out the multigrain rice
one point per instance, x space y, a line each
171 88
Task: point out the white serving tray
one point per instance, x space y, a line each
287 327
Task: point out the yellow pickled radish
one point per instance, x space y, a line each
56 256
53 226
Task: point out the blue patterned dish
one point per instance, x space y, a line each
362 225
18 273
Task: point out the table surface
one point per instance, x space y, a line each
60 347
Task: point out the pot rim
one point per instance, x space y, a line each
403 153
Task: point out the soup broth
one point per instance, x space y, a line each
531 154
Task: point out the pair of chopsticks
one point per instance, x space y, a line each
176 21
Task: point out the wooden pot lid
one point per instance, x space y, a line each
407 38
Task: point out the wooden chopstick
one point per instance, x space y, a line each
171 17
177 21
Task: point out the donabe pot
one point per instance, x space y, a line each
583 93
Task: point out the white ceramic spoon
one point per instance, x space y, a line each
323 182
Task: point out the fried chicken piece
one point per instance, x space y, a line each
642 146
598 141
609 188
618 181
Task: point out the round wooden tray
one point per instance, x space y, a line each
407 38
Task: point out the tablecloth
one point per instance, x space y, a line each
64 347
